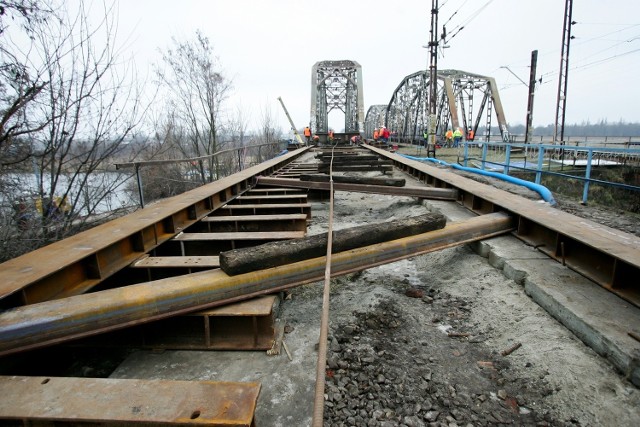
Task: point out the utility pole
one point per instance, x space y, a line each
433 78
564 73
532 90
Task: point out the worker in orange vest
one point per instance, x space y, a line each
384 134
307 133
470 135
331 135
449 137
376 134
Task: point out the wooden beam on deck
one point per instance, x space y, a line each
422 192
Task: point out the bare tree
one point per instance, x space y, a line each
19 85
268 134
86 109
196 89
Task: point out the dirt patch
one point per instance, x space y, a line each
420 342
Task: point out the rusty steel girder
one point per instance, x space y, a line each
607 256
123 402
52 322
81 262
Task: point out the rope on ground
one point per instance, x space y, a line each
318 406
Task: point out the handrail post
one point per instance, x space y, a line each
540 162
587 177
507 159
139 179
484 154
466 154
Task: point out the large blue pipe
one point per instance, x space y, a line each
540 189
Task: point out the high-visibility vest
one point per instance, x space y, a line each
307 131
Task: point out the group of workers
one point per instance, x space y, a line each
356 139
453 138
381 134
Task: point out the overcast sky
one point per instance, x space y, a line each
269 47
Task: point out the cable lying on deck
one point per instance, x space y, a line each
540 189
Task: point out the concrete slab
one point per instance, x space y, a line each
599 318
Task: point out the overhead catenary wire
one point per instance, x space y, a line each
578 66
456 30
318 406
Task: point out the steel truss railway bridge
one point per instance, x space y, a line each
464 100
157 270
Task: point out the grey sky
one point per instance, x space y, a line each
269 47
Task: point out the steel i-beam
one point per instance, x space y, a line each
52 322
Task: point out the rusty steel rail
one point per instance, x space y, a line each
126 402
47 323
79 263
609 257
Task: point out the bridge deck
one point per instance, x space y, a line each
607 256
75 265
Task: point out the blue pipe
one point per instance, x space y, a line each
540 189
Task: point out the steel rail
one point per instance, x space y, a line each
81 262
321 366
609 257
52 322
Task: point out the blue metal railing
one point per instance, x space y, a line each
543 156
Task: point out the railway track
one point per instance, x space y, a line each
154 280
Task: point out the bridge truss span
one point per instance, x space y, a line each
464 100
337 85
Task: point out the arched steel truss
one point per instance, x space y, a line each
374 119
337 85
463 99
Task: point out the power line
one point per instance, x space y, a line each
456 30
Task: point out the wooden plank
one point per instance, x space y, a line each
239 235
275 217
178 262
127 401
